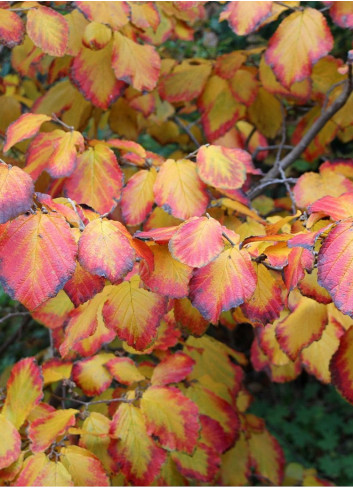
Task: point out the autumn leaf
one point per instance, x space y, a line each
44 246
137 198
84 467
172 369
10 446
24 127
91 375
246 17
16 192
11 28
48 30
124 371
114 14
38 470
202 465
43 431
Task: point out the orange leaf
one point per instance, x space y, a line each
56 369
11 28
39 471
303 36
124 371
341 13
172 369
267 456
105 250
97 180
197 241
341 366
136 64
179 191
222 167
91 375
172 417
82 286
96 439
134 313
137 199
158 235
96 35
84 467
168 277
48 30
33 246
246 17
224 283
189 317
43 431
24 127
10 447
16 192
202 465
114 14
53 312
92 73
336 207
136 453
25 383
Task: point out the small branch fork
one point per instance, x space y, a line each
279 168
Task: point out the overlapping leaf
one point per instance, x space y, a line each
16 192
48 30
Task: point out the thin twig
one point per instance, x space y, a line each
250 135
194 153
329 91
13 314
289 7
56 119
80 222
308 136
269 148
223 233
91 403
187 130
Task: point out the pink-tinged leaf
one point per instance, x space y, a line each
266 303
134 313
43 431
24 127
10 444
12 28
341 366
16 192
179 191
246 17
267 456
54 312
91 375
91 345
96 439
303 326
235 466
310 287
189 317
25 383
168 334
84 467
124 371
48 30
83 323
334 266
39 471
299 260
82 286
38 245
96 35
304 36
97 180
224 283
115 14
197 241
341 13
104 249
172 417
137 198
172 369
158 235
336 207
222 167
134 63
202 465
93 75
169 277
138 456
56 369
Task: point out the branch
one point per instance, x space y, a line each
308 136
13 314
187 130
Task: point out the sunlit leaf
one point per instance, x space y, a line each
84 467
10 446
43 431
48 30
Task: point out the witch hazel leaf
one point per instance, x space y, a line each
48 30
267 456
56 369
303 36
224 283
54 312
137 454
172 369
222 167
299 260
172 417
104 249
115 14
63 159
202 465
97 180
179 191
43 431
137 198
12 28
341 366
16 192
24 127
134 313
189 317
10 444
246 17
24 391
84 467
96 35
337 208
91 375
96 439
197 241
158 235
136 64
334 266
124 371
92 344
41 245
169 277
39 471
83 285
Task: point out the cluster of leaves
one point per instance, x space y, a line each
127 257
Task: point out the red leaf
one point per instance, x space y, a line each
12 28
172 369
24 127
16 192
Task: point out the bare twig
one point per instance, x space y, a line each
194 153
308 136
250 135
13 314
223 233
56 119
289 7
269 148
187 130
91 403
